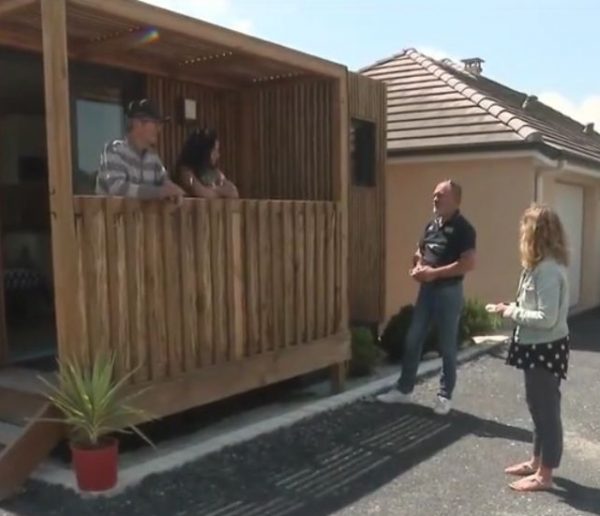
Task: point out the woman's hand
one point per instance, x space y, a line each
499 308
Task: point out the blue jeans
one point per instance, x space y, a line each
441 304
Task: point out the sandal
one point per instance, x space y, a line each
530 484
521 470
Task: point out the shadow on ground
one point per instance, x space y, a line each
314 468
585 329
583 498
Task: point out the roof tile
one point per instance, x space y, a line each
421 88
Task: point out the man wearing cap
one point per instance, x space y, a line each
131 167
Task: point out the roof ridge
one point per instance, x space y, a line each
502 114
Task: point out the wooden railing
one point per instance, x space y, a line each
175 290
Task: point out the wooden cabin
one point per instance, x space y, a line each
210 299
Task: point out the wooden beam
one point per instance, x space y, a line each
60 171
225 380
21 39
31 41
140 13
118 43
8 7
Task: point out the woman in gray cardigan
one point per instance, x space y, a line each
540 344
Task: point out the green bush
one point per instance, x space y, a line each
365 353
394 335
475 320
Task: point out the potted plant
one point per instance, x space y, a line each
95 406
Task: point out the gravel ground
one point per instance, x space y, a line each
367 458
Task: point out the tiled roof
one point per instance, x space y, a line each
437 105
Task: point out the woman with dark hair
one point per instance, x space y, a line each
197 170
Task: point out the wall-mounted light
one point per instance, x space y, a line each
190 111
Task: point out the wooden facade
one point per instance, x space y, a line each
366 208
216 297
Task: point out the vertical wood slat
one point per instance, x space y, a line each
155 295
97 276
189 284
218 264
309 259
84 353
320 287
235 281
300 271
136 285
331 265
117 284
288 273
252 277
172 244
277 274
205 348
265 277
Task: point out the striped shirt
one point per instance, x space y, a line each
125 172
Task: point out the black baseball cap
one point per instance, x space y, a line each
144 108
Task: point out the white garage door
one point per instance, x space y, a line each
569 206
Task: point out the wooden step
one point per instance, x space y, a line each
31 446
25 439
9 433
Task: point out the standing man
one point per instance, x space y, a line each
446 252
131 167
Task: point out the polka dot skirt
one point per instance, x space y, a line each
553 356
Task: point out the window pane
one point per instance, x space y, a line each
97 123
362 152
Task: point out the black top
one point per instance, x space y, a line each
444 242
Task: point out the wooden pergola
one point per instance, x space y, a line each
266 276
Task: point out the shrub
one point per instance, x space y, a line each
475 320
394 335
365 353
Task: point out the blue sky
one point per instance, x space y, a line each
550 48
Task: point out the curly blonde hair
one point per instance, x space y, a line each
542 236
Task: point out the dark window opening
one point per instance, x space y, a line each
362 152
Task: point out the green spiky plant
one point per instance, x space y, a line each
93 404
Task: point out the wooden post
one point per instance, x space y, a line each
58 131
340 172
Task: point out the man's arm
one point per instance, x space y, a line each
466 263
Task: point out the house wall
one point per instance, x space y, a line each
495 193
590 266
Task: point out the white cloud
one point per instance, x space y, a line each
588 110
220 12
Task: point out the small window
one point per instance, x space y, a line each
362 152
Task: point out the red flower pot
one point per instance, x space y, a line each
96 468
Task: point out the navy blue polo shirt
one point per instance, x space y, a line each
444 242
